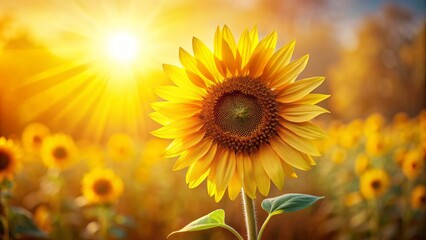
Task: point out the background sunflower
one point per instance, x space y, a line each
59 151
101 186
9 159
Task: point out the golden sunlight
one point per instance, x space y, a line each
122 46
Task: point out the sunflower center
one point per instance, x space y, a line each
60 153
376 184
102 187
4 160
240 113
37 140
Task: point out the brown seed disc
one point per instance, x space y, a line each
240 113
4 160
60 153
102 187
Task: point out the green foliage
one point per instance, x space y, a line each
288 203
23 225
211 220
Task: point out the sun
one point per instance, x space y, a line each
106 58
122 46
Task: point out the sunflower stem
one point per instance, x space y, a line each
259 237
250 216
103 221
5 218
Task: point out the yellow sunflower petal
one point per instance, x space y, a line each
175 111
262 53
196 182
309 159
177 94
225 169
229 58
203 53
199 167
179 128
191 66
278 60
228 37
218 43
211 181
179 77
312 98
192 154
305 129
262 179
219 195
299 89
289 73
301 144
177 146
254 37
212 188
234 187
272 164
160 118
301 112
245 48
288 154
288 170
249 177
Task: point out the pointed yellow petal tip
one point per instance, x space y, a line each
177 168
306 57
195 40
181 50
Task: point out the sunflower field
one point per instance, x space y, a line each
247 119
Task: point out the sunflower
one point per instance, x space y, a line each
362 163
418 197
9 159
33 135
121 147
59 151
375 145
237 115
338 156
101 186
413 163
374 183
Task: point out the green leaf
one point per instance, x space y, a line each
288 203
211 220
22 224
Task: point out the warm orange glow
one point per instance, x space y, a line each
108 62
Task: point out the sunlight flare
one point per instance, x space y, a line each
122 46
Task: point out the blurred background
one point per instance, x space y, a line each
59 67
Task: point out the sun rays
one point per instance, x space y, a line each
108 59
